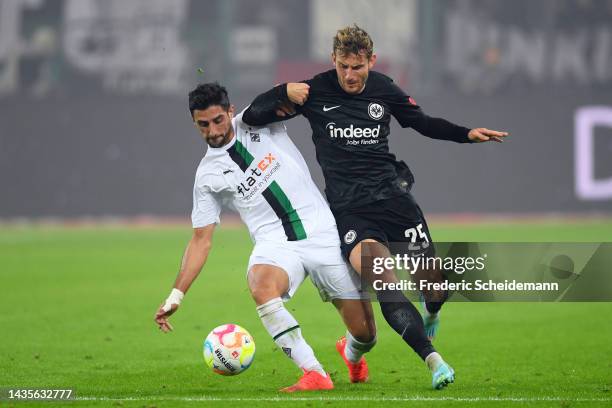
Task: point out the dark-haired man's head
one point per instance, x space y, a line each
212 113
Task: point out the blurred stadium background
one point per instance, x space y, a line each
94 126
94 122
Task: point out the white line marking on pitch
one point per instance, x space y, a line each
390 399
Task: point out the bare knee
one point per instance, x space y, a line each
267 282
262 295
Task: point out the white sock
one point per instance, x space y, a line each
433 361
355 349
285 331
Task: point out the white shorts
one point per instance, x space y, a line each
317 256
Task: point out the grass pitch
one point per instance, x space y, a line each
78 306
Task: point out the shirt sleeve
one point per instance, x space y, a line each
272 126
262 110
206 208
409 114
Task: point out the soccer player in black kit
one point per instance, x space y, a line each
349 109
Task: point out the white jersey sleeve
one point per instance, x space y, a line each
206 207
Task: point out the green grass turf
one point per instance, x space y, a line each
78 306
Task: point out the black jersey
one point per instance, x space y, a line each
351 133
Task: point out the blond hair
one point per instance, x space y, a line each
353 40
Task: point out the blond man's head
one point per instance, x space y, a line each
353 56
353 40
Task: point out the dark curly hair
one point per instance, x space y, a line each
206 95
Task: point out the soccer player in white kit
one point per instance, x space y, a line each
260 173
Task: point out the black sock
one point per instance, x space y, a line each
406 320
434 299
434 307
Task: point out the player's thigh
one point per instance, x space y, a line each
267 282
274 271
328 270
361 254
358 318
368 253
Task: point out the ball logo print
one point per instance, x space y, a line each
350 236
375 110
229 349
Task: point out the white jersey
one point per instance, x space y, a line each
262 175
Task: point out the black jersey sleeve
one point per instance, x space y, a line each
263 108
409 114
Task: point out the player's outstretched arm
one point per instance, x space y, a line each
405 109
438 128
194 259
277 104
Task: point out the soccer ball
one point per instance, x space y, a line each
229 349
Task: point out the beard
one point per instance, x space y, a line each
218 140
354 88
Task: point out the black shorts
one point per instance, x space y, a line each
397 219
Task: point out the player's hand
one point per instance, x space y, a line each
162 315
484 135
298 92
286 109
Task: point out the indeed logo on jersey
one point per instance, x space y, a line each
258 177
353 132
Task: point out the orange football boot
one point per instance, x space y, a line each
358 372
311 381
